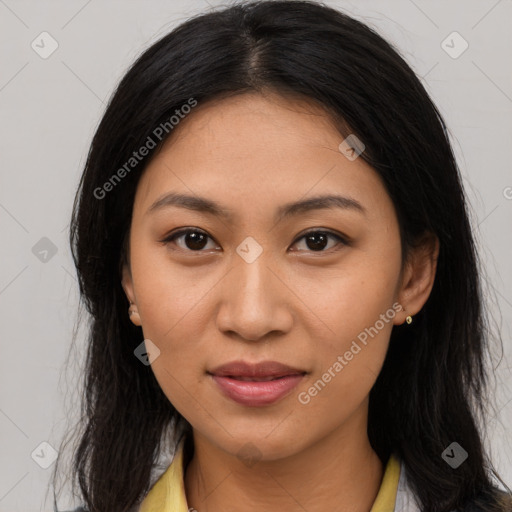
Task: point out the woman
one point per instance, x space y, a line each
272 240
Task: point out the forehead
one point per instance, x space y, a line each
258 151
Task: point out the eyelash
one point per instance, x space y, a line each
182 232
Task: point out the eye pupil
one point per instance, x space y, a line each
193 240
314 244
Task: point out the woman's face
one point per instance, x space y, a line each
248 285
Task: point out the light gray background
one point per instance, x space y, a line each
50 109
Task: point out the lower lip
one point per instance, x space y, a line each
257 393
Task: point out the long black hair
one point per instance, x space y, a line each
432 387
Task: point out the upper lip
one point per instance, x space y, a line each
262 369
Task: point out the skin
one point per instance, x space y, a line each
294 304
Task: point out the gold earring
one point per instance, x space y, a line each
409 319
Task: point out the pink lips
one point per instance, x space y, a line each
256 385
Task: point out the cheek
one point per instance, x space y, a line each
171 302
169 296
347 365
355 295
359 308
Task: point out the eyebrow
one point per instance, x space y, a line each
204 205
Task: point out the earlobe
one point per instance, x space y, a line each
418 278
127 284
134 314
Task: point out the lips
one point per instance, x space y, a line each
266 370
256 385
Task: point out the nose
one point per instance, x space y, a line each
255 301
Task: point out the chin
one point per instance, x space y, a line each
255 446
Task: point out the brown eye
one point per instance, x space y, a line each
193 239
317 241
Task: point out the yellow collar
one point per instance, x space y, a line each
168 492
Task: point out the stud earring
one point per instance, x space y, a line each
409 319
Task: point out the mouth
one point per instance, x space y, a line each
265 370
256 385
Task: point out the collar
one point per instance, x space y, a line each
168 492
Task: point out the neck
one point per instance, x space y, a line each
339 468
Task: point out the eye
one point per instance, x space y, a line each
196 240
317 240
193 239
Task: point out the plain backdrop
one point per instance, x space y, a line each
50 106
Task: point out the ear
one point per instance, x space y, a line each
418 276
127 284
